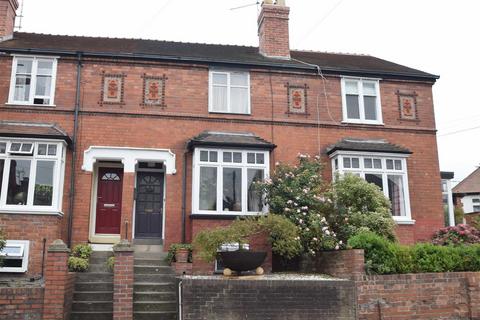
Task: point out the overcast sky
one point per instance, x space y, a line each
437 36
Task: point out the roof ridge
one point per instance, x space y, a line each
334 52
465 179
138 39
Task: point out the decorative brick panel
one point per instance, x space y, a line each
123 281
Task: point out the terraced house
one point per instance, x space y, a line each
103 139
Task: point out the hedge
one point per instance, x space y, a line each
385 257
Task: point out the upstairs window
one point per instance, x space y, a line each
361 101
229 92
33 80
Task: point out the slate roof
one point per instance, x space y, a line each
470 184
332 63
350 144
229 139
32 130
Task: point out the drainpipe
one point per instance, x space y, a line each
74 149
184 195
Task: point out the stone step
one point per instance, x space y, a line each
93 295
155 306
94 268
153 269
150 262
154 287
154 315
157 278
92 306
94 277
98 260
153 241
154 296
93 286
150 255
91 315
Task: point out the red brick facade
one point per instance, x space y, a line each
21 303
185 113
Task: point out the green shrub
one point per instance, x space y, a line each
431 258
173 250
77 264
83 251
379 252
110 263
459 234
385 257
282 234
360 206
459 215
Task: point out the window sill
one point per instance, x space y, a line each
32 212
13 104
363 122
404 221
231 113
221 216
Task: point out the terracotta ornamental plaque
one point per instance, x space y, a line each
297 99
153 91
407 105
112 89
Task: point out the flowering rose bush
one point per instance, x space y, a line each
298 193
460 234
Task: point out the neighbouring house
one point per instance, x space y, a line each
447 197
466 195
105 138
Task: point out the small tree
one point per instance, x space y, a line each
298 192
360 206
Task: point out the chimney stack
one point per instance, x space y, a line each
273 29
8 10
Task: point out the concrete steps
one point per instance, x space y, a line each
154 285
93 292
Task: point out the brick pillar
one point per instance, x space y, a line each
473 290
123 281
127 205
56 281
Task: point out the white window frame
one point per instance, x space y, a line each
197 164
58 176
25 245
229 107
339 155
33 83
361 105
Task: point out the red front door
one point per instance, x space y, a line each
109 200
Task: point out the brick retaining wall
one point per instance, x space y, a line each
20 303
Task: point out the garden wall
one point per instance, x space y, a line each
20 303
261 298
423 296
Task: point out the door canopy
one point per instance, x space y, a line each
129 157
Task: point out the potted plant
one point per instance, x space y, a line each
179 252
281 234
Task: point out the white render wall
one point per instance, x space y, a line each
467 202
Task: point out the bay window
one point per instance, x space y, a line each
33 80
361 101
224 181
31 175
229 92
388 172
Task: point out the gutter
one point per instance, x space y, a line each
74 150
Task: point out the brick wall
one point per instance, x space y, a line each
347 264
419 296
7 17
123 282
264 298
273 31
21 303
34 228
